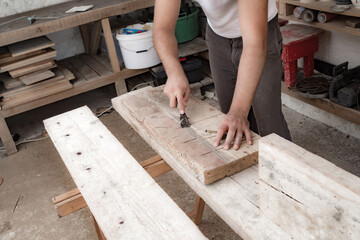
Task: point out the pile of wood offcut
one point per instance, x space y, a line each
28 72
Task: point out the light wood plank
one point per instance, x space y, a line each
10 59
36 77
194 145
50 53
124 206
10 82
306 195
43 65
31 45
226 197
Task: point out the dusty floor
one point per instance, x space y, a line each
36 173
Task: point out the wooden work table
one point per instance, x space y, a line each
21 29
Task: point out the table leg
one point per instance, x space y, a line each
99 233
95 38
197 213
290 69
309 65
85 37
6 137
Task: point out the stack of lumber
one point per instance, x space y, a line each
28 72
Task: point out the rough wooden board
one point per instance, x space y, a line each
36 77
10 93
34 94
50 53
31 45
193 146
125 207
226 197
306 195
10 59
47 64
10 82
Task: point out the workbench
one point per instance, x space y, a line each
109 72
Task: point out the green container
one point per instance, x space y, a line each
187 27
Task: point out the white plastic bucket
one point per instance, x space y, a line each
138 49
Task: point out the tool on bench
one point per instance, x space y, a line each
184 121
32 19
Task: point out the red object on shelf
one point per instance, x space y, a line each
298 41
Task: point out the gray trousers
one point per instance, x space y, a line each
265 115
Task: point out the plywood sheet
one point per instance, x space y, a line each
193 146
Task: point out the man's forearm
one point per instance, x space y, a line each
249 73
167 49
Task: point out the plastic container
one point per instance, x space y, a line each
192 69
187 26
138 49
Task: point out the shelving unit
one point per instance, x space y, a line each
94 74
286 8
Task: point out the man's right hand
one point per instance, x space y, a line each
178 91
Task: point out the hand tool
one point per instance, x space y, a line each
32 19
184 121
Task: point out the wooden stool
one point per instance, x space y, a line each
298 41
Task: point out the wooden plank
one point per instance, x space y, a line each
95 38
8 94
31 45
306 195
196 214
50 53
325 104
33 94
110 46
100 69
227 197
10 82
85 37
69 202
4 52
124 207
86 72
36 77
195 145
11 59
43 65
6 137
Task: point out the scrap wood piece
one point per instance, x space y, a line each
43 65
1 180
48 54
7 59
193 146
124 206
36 77
30 45
10 82
306 195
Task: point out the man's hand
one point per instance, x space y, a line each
234 125
178 91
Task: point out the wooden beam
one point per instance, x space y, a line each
110 45
6 137
95 38
197 213
306 195
104 172
85 37
69 202
194 145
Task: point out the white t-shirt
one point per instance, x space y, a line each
223 16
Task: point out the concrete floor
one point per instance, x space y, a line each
36 173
